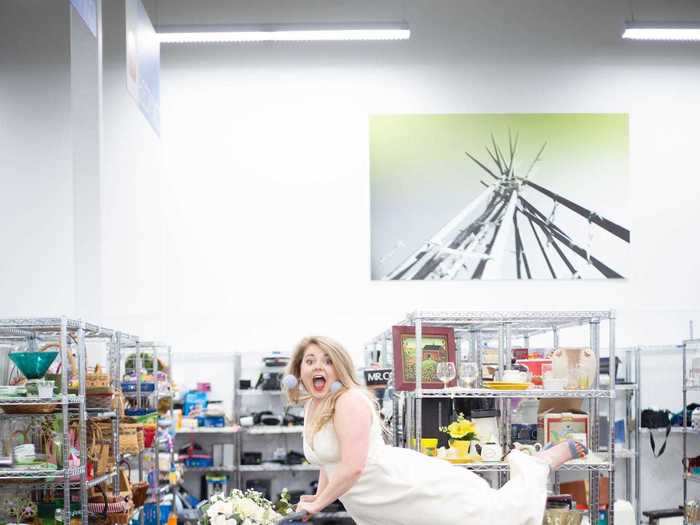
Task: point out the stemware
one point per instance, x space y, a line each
468 373
446 372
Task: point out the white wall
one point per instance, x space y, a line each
267 164
37 264
132 229
266 151
80 198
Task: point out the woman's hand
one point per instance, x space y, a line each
308 499
308 506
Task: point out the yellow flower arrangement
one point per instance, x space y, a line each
461 429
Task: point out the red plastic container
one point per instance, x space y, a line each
534 365
149 435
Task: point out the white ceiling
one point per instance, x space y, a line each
460 11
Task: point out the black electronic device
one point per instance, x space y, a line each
251 458
260 485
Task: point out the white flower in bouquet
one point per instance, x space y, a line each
249 508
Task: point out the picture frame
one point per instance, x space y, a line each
438 346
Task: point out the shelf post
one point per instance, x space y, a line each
156 447
82 368
116 374
419 382
685 428
637 436
594 477
64 391
612 370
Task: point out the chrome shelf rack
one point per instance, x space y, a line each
155 349
503 327
630 393
68 333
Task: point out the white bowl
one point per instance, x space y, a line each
554 384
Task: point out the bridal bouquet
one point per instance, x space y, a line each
244 508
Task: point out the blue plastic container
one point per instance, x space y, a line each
133 387
211 421
149 514
199 461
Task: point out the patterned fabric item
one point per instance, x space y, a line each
99 508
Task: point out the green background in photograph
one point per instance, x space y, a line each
420 176
408 345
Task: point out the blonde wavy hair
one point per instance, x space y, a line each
344 369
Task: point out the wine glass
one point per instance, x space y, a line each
468 373
446 372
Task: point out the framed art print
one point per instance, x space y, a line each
438 346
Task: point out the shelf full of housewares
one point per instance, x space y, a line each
629 391
691 383
144 387
64 336
480 328
238 468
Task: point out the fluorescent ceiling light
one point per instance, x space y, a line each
681 32
283 33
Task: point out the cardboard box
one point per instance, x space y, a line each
554 427
579 490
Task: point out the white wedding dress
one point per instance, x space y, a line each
403 487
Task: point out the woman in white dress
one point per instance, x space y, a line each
383 485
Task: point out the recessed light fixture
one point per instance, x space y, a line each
679 32
283 33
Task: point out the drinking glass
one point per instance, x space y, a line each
446 372
468 372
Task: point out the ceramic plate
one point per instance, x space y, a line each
502 385
463 461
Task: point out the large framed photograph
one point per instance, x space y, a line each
438 347
499 196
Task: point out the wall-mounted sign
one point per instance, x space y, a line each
143 62
377 376
87 9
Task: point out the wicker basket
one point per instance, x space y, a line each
130 438
110 510
139 493
692 512
97 378
100 401
35 408
99 450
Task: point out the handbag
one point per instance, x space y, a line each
652 419
677 419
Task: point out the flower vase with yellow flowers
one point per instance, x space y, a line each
462 432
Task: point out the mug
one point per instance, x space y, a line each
531 450
491 452
429 446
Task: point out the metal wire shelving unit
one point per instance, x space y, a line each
259 431
504 327
142 399
629 392
68 333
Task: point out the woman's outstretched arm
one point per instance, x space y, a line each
352 422
322 483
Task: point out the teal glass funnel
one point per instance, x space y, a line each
33 364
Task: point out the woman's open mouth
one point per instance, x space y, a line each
319 383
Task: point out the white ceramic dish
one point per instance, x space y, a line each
554 383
